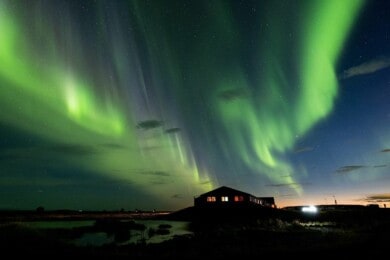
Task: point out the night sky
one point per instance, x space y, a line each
146 104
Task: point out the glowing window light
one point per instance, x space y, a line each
211 199
238 198
310 209
225 198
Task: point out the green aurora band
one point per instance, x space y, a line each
274 122
280 88
44 97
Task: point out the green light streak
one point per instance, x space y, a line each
83 109
327 27
189 62
35 90
59 106
264 127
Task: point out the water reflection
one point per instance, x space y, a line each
98 233
93 239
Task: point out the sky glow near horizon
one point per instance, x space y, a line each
138 104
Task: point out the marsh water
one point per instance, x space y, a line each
149 234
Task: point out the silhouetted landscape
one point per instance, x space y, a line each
249 232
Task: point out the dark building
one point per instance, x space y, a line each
225 197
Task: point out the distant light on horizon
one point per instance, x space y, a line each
310 209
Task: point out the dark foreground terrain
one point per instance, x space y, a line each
216 234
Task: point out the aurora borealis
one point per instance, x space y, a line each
146 104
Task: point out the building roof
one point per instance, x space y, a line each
225 189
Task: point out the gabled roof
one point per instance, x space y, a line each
225 189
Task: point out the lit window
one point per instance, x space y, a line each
225 198
211 199
238 198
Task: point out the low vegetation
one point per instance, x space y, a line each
337 233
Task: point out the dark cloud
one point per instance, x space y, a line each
149 124
367 67
232 94
387 150
65 181
288 184
378 198
303 149
287 195
156 173
41 152
177 196
74 149
172 130
349 168
380 166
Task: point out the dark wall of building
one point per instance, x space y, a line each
225 197
225 200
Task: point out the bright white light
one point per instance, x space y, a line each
309 209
